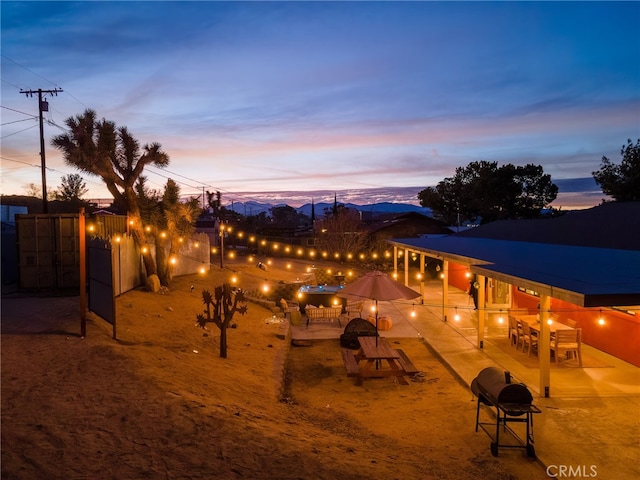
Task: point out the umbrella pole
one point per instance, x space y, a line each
377 360
376 323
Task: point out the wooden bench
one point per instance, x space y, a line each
405 363
350 362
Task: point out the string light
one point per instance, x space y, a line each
456 317
500 318
413 311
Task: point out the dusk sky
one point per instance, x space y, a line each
255 97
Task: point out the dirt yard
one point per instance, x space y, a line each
159 402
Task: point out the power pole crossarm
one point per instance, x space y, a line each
43 106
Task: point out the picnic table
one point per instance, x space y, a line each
367 362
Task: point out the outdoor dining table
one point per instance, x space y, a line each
553 327
373 350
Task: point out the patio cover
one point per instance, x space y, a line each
584 276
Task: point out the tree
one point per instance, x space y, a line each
622 182
214 201
112 153
176 223
33 190
220 309
287 216
342 232
484 190
72 188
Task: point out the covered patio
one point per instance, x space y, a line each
600 288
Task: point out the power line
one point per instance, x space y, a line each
18 111
48 168
19 131
17 121
30 71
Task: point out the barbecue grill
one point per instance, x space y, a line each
512 403
358 327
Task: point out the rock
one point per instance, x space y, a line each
153 284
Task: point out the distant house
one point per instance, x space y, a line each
405 225
209 225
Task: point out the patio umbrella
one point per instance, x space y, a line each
377 286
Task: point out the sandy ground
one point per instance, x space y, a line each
159 402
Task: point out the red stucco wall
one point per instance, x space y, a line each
619 336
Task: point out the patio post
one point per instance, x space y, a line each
544 349
445 287
482 310
395 262
406 267
422 278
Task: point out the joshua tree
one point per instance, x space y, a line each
98 147
220 308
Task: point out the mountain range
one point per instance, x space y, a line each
255 208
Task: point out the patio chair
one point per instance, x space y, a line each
519 334
354 309
289 306
529 339
567 341
515 331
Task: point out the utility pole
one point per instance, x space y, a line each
43 106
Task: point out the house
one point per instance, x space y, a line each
409 224
584 266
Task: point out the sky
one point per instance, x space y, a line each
297 100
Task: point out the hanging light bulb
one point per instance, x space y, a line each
500 318
413 311
601 320
456 317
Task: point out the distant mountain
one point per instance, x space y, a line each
255 208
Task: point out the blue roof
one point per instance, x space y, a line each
586 276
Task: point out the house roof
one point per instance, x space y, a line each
585 276
396 220
610 225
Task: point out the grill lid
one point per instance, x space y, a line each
495 386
